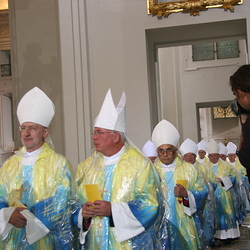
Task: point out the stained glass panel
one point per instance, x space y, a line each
203 51
227 49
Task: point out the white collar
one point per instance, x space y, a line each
168 168
113 159
36 152
215 164
30 158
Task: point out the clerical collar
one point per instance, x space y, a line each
215 164
113 159
36 152
168 168
30 158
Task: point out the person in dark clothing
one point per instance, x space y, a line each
240 85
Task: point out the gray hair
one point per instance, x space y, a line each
123 137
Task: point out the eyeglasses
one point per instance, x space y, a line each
32 129
168 151
100 133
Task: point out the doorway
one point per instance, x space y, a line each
217 121
176 99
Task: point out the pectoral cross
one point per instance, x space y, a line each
21 191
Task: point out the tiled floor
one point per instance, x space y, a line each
241 243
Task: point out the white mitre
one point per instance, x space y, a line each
165 133
223 149
202 145
149 149
36 107
112 117
213 147
188 146
231 148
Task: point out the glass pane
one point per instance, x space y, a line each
227 49
203 51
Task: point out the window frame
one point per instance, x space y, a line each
194 65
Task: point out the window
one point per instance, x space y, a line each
228 49
213 54
203 52
212 51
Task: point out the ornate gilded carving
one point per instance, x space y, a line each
164 9
4 31
223 112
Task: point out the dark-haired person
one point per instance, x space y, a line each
240 85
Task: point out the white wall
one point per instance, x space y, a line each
117 49
203 85
36 58
6 132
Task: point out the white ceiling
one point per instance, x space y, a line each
3 4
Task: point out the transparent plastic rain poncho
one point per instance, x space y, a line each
240 191
130 183
225 217
47 190
183 223
207 215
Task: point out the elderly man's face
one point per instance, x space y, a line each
166 153
223 157
201 153
33 135
190 158
213 158
232 157
104 140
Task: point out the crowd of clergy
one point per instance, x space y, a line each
217 197
160 198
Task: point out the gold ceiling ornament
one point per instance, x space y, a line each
226 141
164 9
